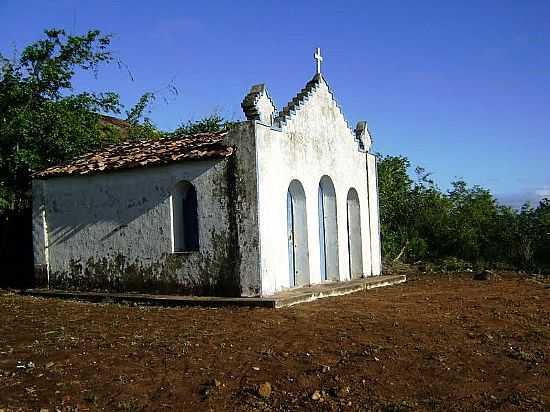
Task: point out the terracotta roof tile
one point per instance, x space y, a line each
113 121
130 155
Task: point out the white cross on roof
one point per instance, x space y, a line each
319 59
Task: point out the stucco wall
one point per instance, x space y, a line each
376 252
315 141
113 231
245 210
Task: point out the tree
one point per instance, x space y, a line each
473 215
541 252
141 126
413 213
396 210
41 121
209 124
419 221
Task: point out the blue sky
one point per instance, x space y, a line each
461 88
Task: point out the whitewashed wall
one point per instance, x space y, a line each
315 141
374 216
114 230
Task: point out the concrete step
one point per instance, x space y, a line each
313 292
279 300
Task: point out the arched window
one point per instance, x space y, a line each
185 218
298 254
354 235
328 230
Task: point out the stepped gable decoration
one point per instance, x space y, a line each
258 105
311 87
363 136
298 101
131 155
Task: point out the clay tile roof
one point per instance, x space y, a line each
142 153
113 121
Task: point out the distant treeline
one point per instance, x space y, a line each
462 227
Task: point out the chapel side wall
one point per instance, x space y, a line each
114 231
316 141
374 214
245 210
366 225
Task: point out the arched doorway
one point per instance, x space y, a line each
298 253
354 235
328 230
185 218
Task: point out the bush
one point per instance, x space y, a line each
460 229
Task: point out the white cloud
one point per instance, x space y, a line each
544 192
517 199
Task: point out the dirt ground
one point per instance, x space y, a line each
434 343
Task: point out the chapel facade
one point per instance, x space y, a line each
282 200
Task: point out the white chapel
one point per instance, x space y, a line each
283 199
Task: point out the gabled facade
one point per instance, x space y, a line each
282 200
309 156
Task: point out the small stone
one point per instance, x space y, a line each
205 391
264 390
485 275
316 396
326 368
217 383
255 368
49 365
343 392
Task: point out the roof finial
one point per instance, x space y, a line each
319 59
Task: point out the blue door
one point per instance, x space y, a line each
322 240
291 246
